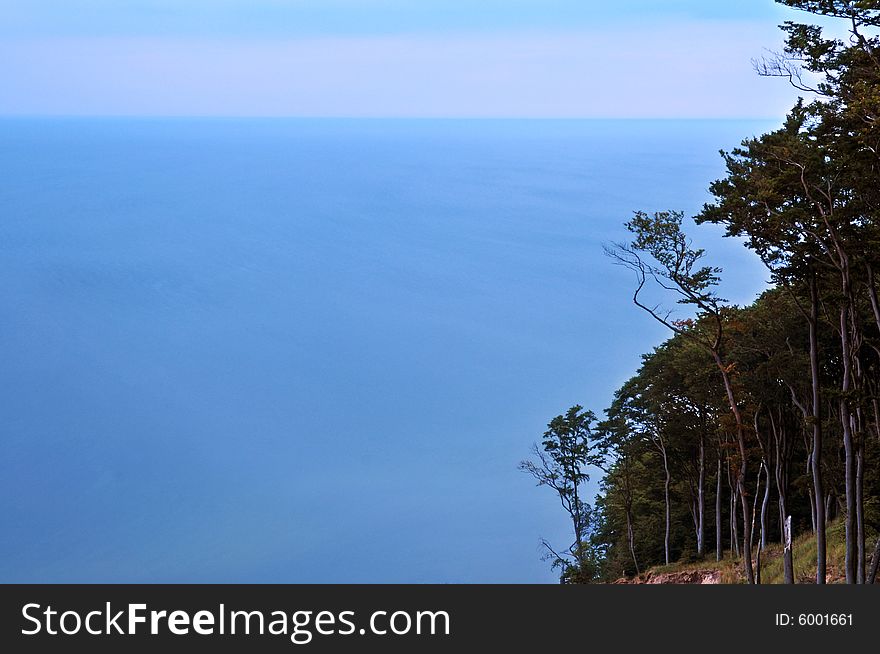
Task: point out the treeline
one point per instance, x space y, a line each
751 419
675 485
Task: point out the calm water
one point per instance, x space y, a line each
313 351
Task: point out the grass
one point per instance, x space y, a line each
803 551
772 570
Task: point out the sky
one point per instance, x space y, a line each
390 58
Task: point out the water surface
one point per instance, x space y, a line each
313 351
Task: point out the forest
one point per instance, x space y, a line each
750 426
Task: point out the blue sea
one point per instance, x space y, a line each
315 350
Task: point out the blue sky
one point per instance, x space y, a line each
335 17
516 58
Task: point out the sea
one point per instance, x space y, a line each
307 350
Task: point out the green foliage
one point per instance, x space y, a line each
661 236
561 463
743 389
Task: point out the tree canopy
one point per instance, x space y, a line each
768 413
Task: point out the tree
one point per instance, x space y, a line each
788 386
623 449
845 130
676 269
807 197
561 462
765 198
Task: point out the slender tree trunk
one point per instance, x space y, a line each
787 562
780 469
812 509
747 528
781 518
731 521
780 475
719 548
701 500
782 453
810 490
757 574
631 537
816 455
758 566
666 499
734 522
734 497
859 429
755 504
764 506
860 518
848 445
741 473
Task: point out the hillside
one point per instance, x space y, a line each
729 571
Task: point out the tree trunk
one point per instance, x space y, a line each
701 500
848 446
666 499
734 522
810 490
761 469
754 511
764 505
743 464
719 548
758 566
788 564
816 455
860 518
734 532
782 449
630 535
755 505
